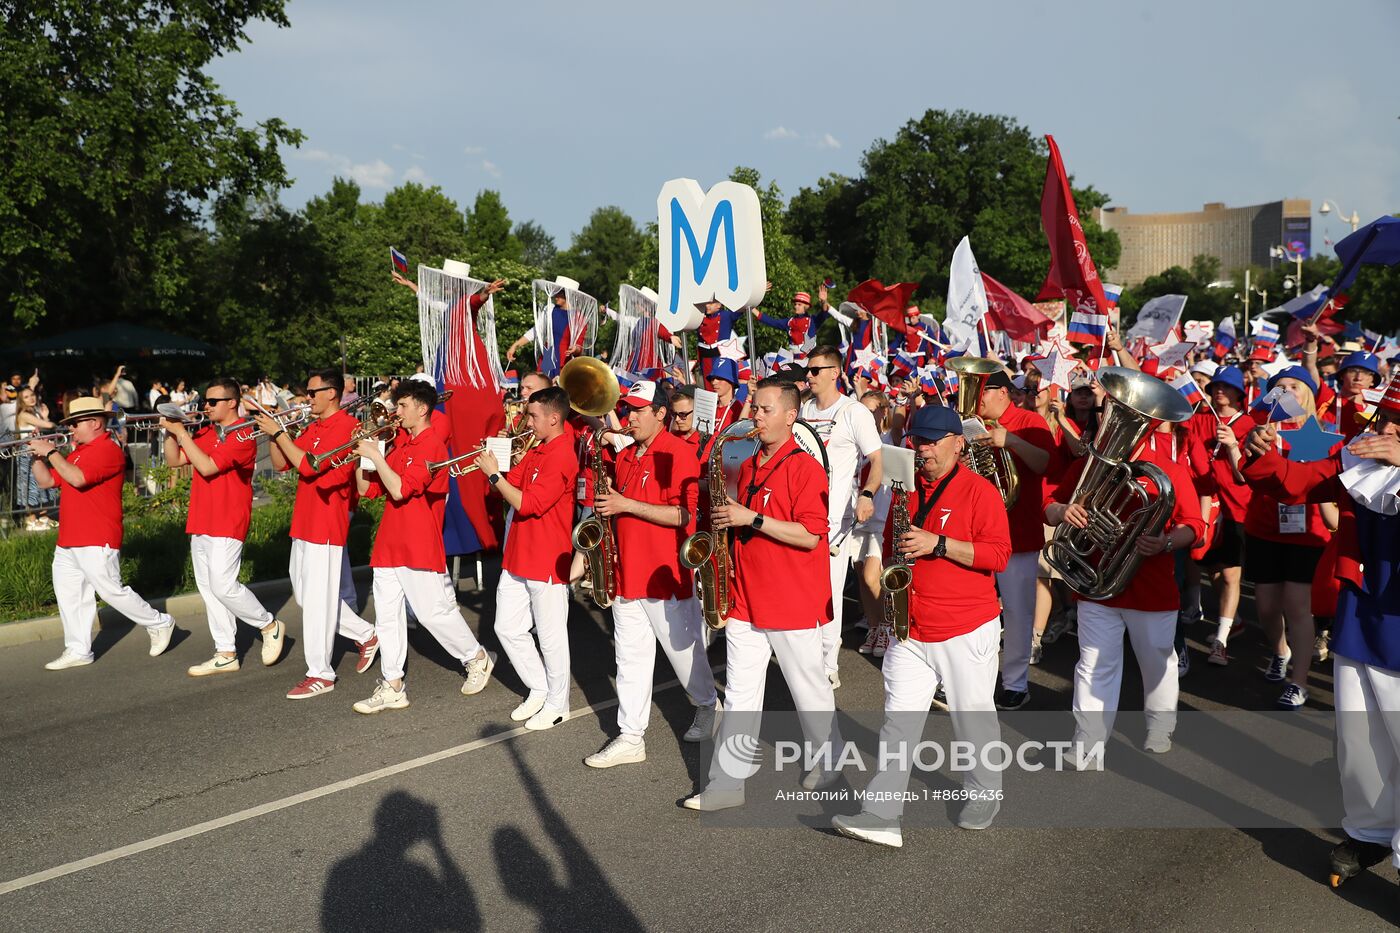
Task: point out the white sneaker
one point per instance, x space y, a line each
274 643
478 673
532 704
547 718
218 664
978 813
622 750
68 659
160 636
702 727
818 778
384 697
710 800
835 679
867 827
1159 743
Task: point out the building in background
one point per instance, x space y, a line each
1237 236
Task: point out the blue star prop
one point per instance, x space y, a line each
1310 442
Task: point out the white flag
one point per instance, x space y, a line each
1158 317
967 298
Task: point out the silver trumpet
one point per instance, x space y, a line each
247 429
9 450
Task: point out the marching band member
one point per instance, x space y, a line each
320 525
1146 609
958 540
683 417
410 564
221 507
1364 478
782 526
723 380
652 507
1028 437
87 560
534 585
848 430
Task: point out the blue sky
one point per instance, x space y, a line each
566 107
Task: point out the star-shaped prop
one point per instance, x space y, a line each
1171 353
1310 442
1055 370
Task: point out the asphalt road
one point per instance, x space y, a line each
234 808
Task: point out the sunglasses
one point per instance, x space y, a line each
211 402
814 370
682 414
321 389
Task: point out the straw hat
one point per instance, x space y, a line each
86 407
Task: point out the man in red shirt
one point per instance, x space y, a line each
409 561
958 540
534 588
1028 437
781 592
221 506
320 524
86 563
652 508
1146 610
683 417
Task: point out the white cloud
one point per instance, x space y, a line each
474 150
780 132
490 168
398 147
376 174
415 173
828 141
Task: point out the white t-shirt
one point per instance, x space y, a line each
7 417
124 393
849 432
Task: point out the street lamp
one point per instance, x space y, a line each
1329 206
1282 252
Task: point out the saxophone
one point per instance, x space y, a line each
594 536
895 579
707 552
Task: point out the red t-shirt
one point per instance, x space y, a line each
1234 495
1153 587
947 599
666 473
1027 517
222 505
778 586
322 511
410 533
92 516
540 544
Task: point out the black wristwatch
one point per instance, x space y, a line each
867 494
48 457
493 479
758 523
941 548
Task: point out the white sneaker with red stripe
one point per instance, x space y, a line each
310 687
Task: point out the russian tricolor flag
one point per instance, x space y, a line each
399 260
904 364
1112 293
1186 385
1224 338
1265 335
1087 327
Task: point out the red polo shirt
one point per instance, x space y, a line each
540 543
778 586
1234 495
947 599
322 511
92 516
222 505
410 533
1027 517
666 473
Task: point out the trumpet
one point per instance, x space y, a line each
345 453
247 429
461 464
9 450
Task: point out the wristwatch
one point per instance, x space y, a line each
48 457
758 523
493 479
866 493
941 548
1167 548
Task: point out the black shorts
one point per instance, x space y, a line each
1272 562
1227 550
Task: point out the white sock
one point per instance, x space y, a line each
1222 630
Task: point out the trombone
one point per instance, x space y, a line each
11 449
461 464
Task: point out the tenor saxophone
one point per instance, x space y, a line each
707 552
895 579
595 536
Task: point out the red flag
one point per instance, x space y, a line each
1009 312
1325 321
886 303
1072 273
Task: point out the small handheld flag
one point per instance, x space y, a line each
399 260
1087 327
1186 385
1281 405
1224 338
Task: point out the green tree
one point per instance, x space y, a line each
537 245
607 252
488 230
116 143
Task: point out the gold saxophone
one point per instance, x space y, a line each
707 552
895 579
594 536
993 465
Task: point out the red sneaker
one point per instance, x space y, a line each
310 687
369 650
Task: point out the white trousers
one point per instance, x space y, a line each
316 573
216 563
799 654
1368 751
1098 677
967 667
831 631
434 603
80 575
638 624
1017 587
523 604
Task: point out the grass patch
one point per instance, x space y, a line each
156 550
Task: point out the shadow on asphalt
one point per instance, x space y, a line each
381 888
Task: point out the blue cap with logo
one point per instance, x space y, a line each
934 422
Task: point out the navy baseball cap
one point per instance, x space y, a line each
934 422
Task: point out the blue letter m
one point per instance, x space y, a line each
700 261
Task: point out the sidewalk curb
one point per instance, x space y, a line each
50 628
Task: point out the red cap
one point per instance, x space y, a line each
802 297
641 395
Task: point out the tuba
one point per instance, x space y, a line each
1097 562
707 552
993 465
895 579
593 390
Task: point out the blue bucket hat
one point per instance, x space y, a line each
726 369
1230 376
1361 360
1292 372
